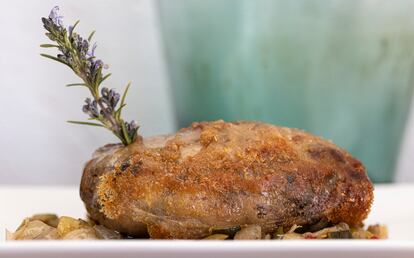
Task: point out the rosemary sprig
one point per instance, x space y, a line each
78 54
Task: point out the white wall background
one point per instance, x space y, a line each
36 144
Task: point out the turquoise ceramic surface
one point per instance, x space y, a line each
343 70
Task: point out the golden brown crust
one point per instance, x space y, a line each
224 174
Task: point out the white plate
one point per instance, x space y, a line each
393 206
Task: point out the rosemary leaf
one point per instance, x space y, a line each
125 133
84 123
74 25
122 104
76 84
55 58
119 110
125 93
105 77
91 35
48 45
98 77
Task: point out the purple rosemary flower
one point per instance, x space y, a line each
91 108
55 17
110 98
133 124
91 53
95 65
131 127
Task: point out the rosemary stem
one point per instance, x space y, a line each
78 53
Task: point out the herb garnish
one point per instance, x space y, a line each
78 54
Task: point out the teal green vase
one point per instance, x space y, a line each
343 70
